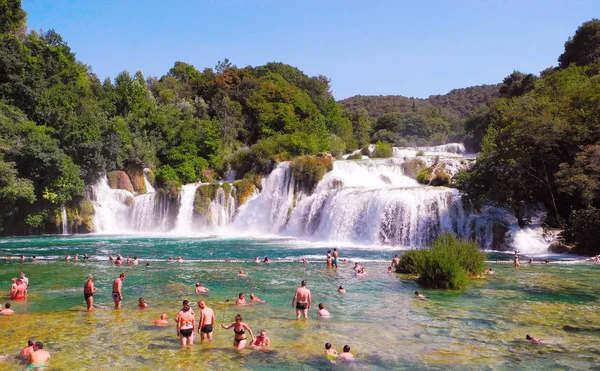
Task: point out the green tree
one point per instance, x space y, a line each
12 17
584 47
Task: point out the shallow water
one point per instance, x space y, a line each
482 327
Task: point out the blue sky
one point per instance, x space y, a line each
411 48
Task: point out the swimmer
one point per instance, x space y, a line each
162 322
135 261
128 261
39 357
357 267
186 323
7 311
13 288
142 304
532 339
418 295
329 259
239 328
324 313
68 257
341 289
117 285
255 299
179 260
20 290
304 261
200 289
118 261
546 262
24 279
516 259
390 270
346 353
22 258
170 260
242 274
530 260
76 257
147 265
88 292
110 258
257 260
207 321
395 260
28 349
241 300
302 300
490 271
86 257
345 261
361 273
336 256
329 351
267 261
261 340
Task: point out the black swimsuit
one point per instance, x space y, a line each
241 332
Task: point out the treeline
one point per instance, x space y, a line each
403 121
61 127
540 143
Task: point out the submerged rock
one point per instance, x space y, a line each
559 248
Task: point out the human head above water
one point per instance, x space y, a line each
303 283
346 348
321 306
327 345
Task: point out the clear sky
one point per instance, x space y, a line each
369 47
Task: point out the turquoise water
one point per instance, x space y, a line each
482 327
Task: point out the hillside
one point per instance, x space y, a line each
457 104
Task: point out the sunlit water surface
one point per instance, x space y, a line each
482 327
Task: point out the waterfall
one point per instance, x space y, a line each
149 188
111 208
268 213
186 208
222 208
64 221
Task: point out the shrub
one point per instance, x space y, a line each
356 156
205 194
446 265
424 176
309 170
243 190
412 167
420 153
585 227
382 150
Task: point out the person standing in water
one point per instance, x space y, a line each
329 259
162 322
207 321
200 289
241 300
186 322
336 256
302 300
240 328
117 295
395 261
517 264
88 292
346 353
39 357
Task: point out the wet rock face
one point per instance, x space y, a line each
136 175
499 240
558 248
119 180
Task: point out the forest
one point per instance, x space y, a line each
61 128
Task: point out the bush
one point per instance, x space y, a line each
585 227
382 150
412 167
424 176
420 153
356 156
309 170
446 265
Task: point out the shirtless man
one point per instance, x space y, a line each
24 279
142 304
257 260
200 289
207 322
88 292
242 274
27 350
324 313
302 300
162 322
395 261
241 300
261 340
7 311
135 261
336 256
179 259
341 290
20 291
329 260
255 299
329 351
39 357
117 295
517 264
346 353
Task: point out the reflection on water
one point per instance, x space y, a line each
481 328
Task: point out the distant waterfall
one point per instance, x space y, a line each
112 208
64 221
186 208
222 209
149 188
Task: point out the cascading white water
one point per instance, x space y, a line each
268 213
184 223
222 209
450 149
111 208
144 215
149 188
64 221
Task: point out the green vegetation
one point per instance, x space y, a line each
309 170
205 194
245 188
540 143
356 156
447 264
382 150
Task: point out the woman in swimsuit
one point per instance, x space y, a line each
239 327
185 325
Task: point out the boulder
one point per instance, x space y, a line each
558 247
136 175
119 180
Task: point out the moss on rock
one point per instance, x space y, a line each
208 176
244 189
309 170
136 175
205 194
411 168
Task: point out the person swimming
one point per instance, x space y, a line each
330 352
418 295
142 304
261 340
162 322
341 289
241 300
323 313
242 274
532 339
346 353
